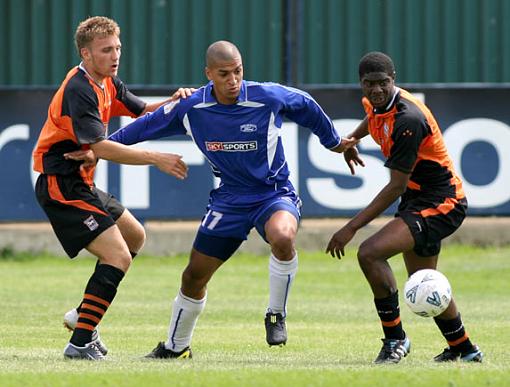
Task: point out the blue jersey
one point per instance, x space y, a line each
241 141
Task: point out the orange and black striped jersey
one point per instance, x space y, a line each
77 117
411 141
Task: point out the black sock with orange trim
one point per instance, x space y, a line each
133 255
455 334
99 293
389 313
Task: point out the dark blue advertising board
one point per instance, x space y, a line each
474 121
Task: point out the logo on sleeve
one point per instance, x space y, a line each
241 146
248 128
169 107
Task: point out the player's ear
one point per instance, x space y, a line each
208 73
84 53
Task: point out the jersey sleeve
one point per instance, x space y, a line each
407 136
80 104
125 103
301 108
163 122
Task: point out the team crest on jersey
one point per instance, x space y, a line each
91 223
386 129
248 128
240 146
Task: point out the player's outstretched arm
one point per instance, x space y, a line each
361 130
169 163
345 144
351 155
388 194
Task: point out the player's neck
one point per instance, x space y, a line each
97 79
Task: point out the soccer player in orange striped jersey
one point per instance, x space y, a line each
82 215
432 206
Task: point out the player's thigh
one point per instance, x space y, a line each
75 212
393 238
415 262
215 246
279 216
281 223
111 249
132 231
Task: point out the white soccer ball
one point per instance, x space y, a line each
427 293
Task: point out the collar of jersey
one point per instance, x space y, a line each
82 68
389 107
209 97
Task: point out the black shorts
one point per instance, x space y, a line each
77 212
430 218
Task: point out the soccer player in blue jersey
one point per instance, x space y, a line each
236 124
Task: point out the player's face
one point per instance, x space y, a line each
101 57
378 87
227 77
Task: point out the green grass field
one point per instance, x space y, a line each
333 328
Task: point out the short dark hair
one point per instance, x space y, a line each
219 51
376 62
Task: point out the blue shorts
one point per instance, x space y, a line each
230 218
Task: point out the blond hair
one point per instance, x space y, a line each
96 26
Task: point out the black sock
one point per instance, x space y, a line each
133 255
99 293
455 334
389 313
95 268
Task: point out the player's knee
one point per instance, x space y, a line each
139 237
120 259
282 239
365 256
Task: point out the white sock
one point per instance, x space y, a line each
281 276
185 314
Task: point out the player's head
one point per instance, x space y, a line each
224 67
377 78
97 40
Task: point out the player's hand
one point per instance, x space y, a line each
338 242
182 92
172 164
352 158
87 156
346 143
